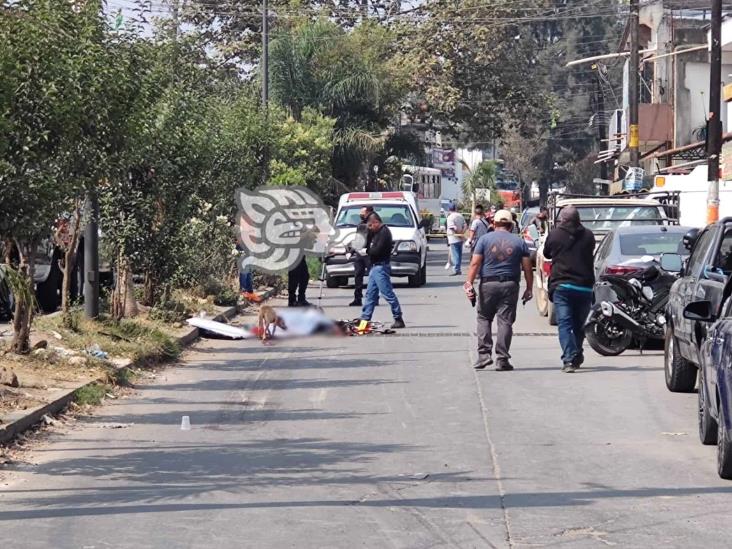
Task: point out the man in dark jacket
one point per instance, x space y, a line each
570 246
379 250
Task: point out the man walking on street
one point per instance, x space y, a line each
478 227
456 237
498 259
360 261
571 246
379 250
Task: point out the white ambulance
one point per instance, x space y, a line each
398 210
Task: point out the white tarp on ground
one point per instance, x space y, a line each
220 328
300 322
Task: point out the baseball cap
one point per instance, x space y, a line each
503 216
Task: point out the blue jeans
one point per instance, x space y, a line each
380 283
245 282
456 250
571 308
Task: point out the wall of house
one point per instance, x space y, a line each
692 98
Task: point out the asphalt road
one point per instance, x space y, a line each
380 441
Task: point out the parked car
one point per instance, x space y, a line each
618 250
703 278
398 210
527 215
600 215
715 376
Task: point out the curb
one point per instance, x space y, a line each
17 422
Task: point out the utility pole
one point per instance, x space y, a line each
265 54
714 124
634 82
265 84
601 129
91 256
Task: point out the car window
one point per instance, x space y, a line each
612 217
393 215
699 252
724 256
604 248
655 243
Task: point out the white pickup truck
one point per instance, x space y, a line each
398 211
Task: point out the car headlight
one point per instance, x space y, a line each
407 246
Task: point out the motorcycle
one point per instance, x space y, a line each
629 306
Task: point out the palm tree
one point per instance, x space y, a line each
317 65
483 177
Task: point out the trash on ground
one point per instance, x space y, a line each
185 423
96 351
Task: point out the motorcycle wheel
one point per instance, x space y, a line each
604 344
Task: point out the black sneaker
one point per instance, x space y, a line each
578 361
504 367
304 303
398 323
355 303
569 368
483 365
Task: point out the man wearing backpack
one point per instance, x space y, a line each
478 227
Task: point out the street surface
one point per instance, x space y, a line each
381 441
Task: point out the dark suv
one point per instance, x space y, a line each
702 278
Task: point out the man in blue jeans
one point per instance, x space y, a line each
456 229
571 246
378 246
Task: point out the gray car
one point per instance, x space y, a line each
619 249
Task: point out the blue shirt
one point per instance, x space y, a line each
502 254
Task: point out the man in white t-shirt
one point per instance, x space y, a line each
456 228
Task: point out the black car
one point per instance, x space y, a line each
703 278
715 377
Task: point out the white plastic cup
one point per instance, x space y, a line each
185 423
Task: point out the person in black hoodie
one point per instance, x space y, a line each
379 247
571 246
360 262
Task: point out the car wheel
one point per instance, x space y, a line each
423 275
680 373
724 449
47 292
333 281
414 280
707 425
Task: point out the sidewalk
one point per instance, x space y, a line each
14 423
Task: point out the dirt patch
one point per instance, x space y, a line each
42 374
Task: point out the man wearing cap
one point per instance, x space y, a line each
498 259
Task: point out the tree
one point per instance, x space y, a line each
349 76
52 131
483 177
472 67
